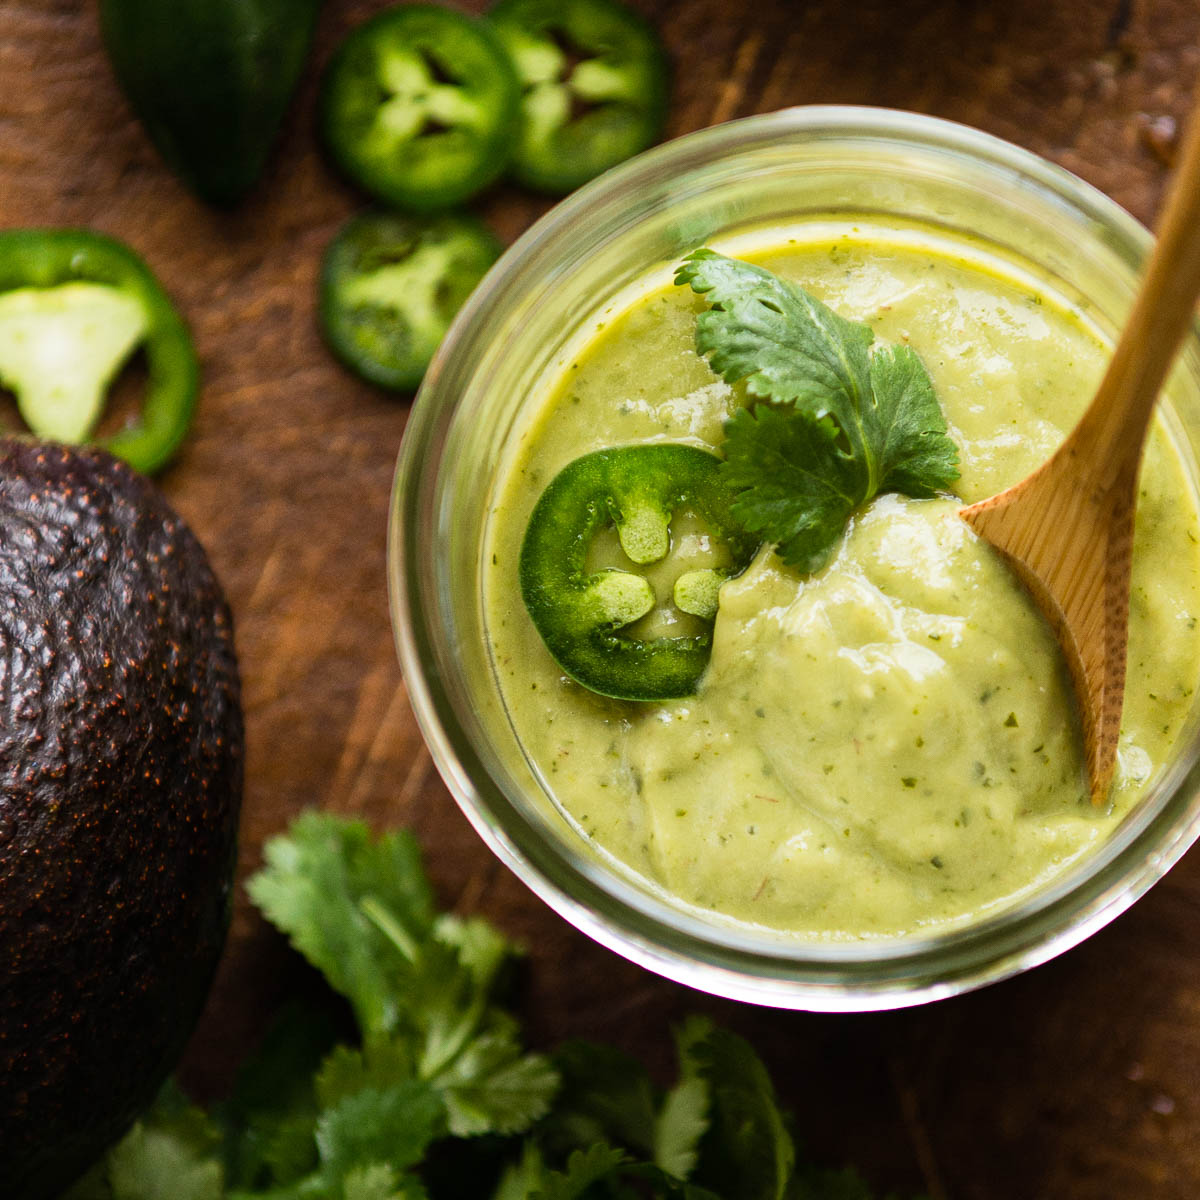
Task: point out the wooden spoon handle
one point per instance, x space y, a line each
1067 529
1113 429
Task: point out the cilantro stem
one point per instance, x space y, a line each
440 1052
442 1048
382 919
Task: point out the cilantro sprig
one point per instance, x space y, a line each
435 1098
836 423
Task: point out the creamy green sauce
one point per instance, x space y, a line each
889 745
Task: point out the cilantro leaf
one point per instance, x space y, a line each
380 1064
584 1168
392 1126
492 1087
444 1006
679 1126
784 343
156 1164
683 1118
289 1148
379 1182
522 1179
840 425
471 1056
482 950
171 1153
313 887
608 1098
747 1151
795 487
361 911
915 455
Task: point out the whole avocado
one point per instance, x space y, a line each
120 783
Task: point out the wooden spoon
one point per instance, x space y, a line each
1067 529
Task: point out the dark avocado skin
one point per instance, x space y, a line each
120 782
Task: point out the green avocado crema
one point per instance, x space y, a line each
889 745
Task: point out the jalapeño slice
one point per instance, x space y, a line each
391 285
594 82
74 307
579 614
420 107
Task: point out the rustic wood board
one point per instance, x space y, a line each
1080 1079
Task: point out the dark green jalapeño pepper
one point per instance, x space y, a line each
74 307
595 84
419 107
580 613
210 80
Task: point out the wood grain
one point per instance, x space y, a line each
1078 1080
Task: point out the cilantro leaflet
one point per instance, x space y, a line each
795 487
748 1151
378 1126
840 424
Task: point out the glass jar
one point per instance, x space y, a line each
592 252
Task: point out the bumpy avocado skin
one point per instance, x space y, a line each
120 782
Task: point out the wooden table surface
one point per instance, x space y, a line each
1078 1080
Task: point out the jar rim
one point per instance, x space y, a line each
819 976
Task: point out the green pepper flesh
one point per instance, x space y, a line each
60 348
579 613
74 306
